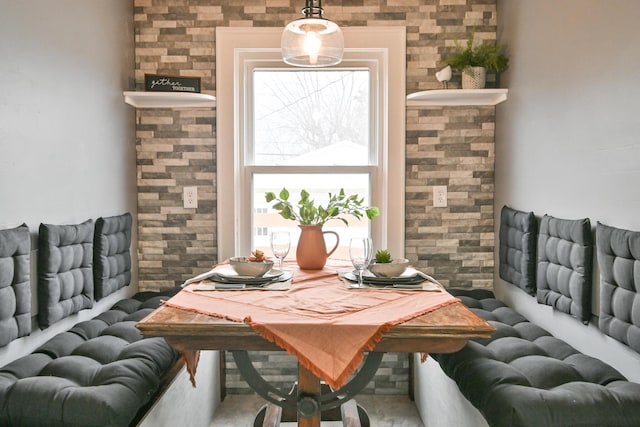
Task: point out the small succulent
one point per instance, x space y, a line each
257 256
383 256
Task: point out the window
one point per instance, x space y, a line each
319 118
321 129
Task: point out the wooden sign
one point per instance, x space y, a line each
158 83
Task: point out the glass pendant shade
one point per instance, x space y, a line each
312 41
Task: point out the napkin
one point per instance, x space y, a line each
270 286
200 277
208 281
429 285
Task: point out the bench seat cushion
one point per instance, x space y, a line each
523 376
99 373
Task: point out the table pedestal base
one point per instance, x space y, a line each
350 413
308 401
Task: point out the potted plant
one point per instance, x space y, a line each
311 253
384 265
474 60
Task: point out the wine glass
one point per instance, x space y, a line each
361 252
280 245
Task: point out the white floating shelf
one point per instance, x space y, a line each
140 99
444 97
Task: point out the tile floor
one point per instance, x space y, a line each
384 411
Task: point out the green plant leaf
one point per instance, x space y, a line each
372 212
493 57
383 256
285 212
309 214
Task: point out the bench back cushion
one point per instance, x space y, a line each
111 254
619 262
65 276
518 233
15 289
565 254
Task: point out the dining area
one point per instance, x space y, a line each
151 161
337 322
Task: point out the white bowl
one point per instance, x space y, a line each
395 268
244 267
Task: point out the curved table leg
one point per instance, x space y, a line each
307 402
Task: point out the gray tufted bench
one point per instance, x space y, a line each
522 375
101 372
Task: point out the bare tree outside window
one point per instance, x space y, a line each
300 112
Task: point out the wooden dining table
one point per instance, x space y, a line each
446 329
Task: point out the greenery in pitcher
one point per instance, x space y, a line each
307 213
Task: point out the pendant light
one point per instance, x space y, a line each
312 41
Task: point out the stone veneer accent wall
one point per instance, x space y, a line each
444 146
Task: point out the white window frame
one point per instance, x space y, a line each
233 46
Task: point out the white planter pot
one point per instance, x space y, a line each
474 78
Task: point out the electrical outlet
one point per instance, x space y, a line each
190 197
440 196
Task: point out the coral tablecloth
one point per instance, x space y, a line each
318 320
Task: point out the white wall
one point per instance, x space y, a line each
568 138
67 140
438 398
182 404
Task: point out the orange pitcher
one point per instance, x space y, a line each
311 253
